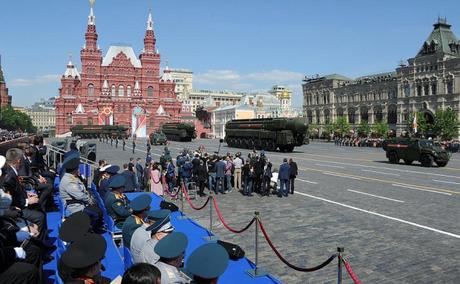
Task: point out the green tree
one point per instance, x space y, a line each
422 126
313 130
380 129
328 129
446 123
16 120
341 126
364 129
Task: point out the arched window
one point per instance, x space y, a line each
406 90
121 91
113 91
450 87
392 115
128 91
150 91
351 115
90 90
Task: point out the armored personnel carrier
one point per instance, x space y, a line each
427 152
179 131
266 133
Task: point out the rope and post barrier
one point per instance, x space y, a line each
256 272
340 250
210 238
226 225
350 272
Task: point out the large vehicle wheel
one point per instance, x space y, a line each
393 157
289 148
426 160
408 162
441 164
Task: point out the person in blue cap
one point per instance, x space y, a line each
140 205
72 191
141 235
116 202
171 250
108 172
160 229
207 263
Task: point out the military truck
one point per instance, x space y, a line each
266 133
179 131
158 138
409 150
96 131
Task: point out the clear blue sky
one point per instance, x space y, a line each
246 45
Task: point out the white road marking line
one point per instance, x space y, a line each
382 173
307 181
412 187
336 175
378 196
332 166
380 215
445 181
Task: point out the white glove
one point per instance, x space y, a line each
20 253
22 235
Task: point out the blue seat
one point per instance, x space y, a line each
127 258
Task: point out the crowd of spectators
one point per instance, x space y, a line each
356 141
6 135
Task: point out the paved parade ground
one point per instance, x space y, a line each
397 223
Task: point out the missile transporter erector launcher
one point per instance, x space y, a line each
266 133
179 131
96 131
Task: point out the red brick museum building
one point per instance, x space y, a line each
118 88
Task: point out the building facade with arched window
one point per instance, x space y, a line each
118 88
428 81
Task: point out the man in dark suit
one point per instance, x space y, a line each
220 175
20 198
139 174
283 176
292 174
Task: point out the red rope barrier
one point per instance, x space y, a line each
190 203
227 226
311 269
350 272
166 188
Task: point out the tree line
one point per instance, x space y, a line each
11 119
445 126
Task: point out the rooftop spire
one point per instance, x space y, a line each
150 21
2 79
91 17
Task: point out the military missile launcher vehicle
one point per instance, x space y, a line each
425 151
179 131
266 133
96 131
158 138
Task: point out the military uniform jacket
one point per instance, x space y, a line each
170 274
117 205
73 193
147 253
138 240
129 226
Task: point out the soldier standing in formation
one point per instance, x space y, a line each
111 141
116 202
116 142
124 143
148 145
134 143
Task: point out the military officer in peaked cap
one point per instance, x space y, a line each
171 250
72 191
207 263
141 235
116 202
108 172
139 205
159 230
82 260
74 227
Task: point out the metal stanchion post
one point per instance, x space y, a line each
340 250
54 160
257 271
182 216
211 237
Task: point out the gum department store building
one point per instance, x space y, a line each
429 81
118 88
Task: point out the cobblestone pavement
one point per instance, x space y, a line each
397 223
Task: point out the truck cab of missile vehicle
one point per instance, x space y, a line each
425 151
158 138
